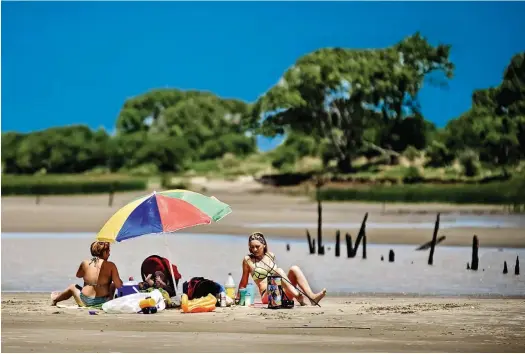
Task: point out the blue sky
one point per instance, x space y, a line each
77 62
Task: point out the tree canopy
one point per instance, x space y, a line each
494 127
333 103
337 93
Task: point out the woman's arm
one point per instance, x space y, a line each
80 270
115 276
244 278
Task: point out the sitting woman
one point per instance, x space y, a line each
100 279
259 257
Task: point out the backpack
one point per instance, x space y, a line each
199 287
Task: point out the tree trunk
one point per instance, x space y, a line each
344 164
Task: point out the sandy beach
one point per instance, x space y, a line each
348 320
89 213
351 324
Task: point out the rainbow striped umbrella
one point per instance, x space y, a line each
159 212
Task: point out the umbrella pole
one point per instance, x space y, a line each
170 265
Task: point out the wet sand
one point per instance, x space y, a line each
352 324
89 213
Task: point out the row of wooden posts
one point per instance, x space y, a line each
351 250
361 237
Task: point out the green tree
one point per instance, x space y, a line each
495 125
210 125
337 93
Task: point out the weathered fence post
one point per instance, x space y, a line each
517 266
475 260
111 194
361 234
337 246
391 256
311 243
434 239
364 245
320 246
349 249
505 270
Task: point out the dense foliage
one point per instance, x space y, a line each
162 130
494 128
333 104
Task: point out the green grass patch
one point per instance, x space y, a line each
504 193
70 184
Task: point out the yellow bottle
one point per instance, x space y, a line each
229 287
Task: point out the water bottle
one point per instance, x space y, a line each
250 295
230 287
223 299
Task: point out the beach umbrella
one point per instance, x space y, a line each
162 212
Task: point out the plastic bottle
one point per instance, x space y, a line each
250 294
230 287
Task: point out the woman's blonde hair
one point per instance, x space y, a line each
98 248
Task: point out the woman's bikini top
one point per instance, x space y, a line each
95 260
265 266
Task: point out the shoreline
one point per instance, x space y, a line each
89 213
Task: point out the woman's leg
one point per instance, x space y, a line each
290 289
71 290
297 278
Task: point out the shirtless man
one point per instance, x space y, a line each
100 279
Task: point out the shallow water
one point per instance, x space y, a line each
45 262
446 222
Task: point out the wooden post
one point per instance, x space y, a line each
434 239
391 256
475 260
517 266
111 194
311 243
37 201
320 246
364 245
349 249
427 245
337 246
360 235
505 270
288 247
